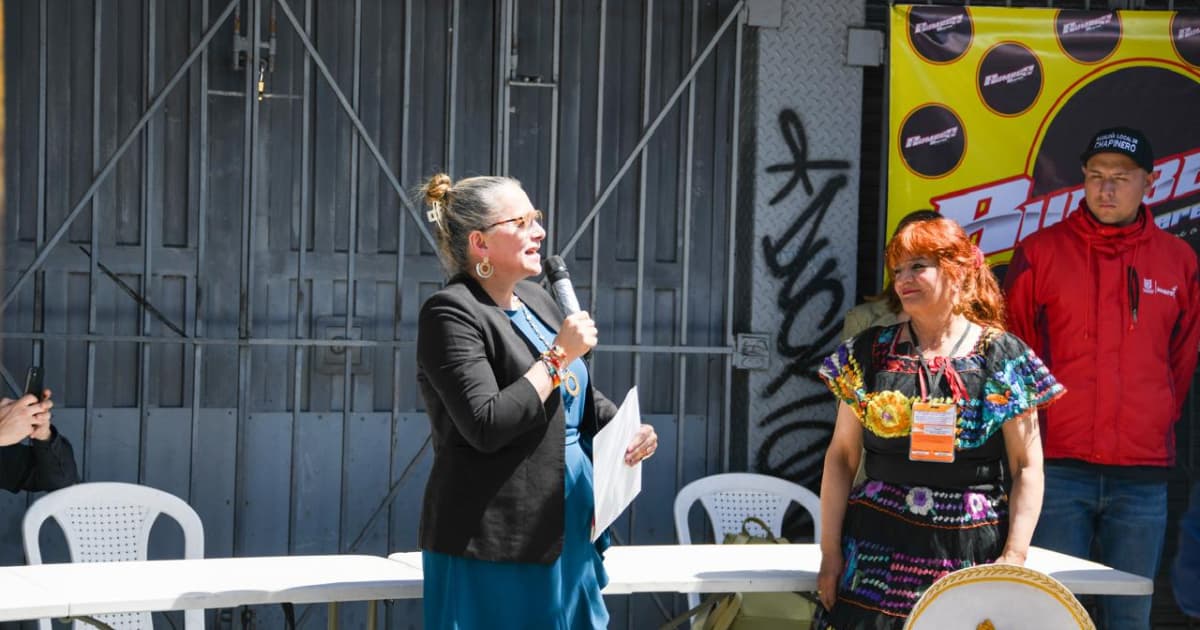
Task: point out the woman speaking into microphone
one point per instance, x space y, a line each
507 514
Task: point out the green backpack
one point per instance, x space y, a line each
751 611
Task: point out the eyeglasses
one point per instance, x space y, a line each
521 221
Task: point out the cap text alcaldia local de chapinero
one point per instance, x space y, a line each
1124 140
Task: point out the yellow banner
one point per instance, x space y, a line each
991 108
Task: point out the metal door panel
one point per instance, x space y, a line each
264 228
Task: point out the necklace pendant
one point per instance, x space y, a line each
570 382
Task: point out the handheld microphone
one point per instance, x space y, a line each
560 284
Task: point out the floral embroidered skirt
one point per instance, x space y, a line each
898 540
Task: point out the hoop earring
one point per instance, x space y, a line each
484 268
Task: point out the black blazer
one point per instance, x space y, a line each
495 491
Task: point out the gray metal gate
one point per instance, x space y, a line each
212 251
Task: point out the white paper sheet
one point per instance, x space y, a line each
615 484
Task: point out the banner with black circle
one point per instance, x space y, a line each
990 108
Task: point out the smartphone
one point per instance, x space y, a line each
33 382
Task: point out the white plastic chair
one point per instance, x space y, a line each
111 521
731 497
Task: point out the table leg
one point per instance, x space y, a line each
332 622
371 614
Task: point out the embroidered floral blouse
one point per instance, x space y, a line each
1001 379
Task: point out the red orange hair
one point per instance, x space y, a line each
947 244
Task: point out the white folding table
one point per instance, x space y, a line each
89 589
778 568
22 599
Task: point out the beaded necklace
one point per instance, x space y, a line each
569 380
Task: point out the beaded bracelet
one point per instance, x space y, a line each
552 369
557 355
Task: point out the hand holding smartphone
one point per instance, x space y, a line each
33 382
35 386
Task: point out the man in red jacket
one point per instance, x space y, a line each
1110 302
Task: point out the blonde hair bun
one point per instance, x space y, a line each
436 188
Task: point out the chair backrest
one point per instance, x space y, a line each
731 497
998 596
111 521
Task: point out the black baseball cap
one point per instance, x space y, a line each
1123 140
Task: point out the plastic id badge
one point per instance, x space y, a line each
932 438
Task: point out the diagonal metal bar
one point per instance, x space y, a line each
391 496
358 126
379 511
137 297
156 105
9 380
649 133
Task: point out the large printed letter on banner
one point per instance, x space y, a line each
991 108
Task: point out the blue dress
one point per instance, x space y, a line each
466 593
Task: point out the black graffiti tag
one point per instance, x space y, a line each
793 134
811 290
796 300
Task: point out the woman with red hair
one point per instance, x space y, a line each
944 409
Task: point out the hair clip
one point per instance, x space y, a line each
434 214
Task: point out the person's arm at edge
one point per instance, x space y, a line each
1023 445
53 463
25 418
1185 340
16 462
841 462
